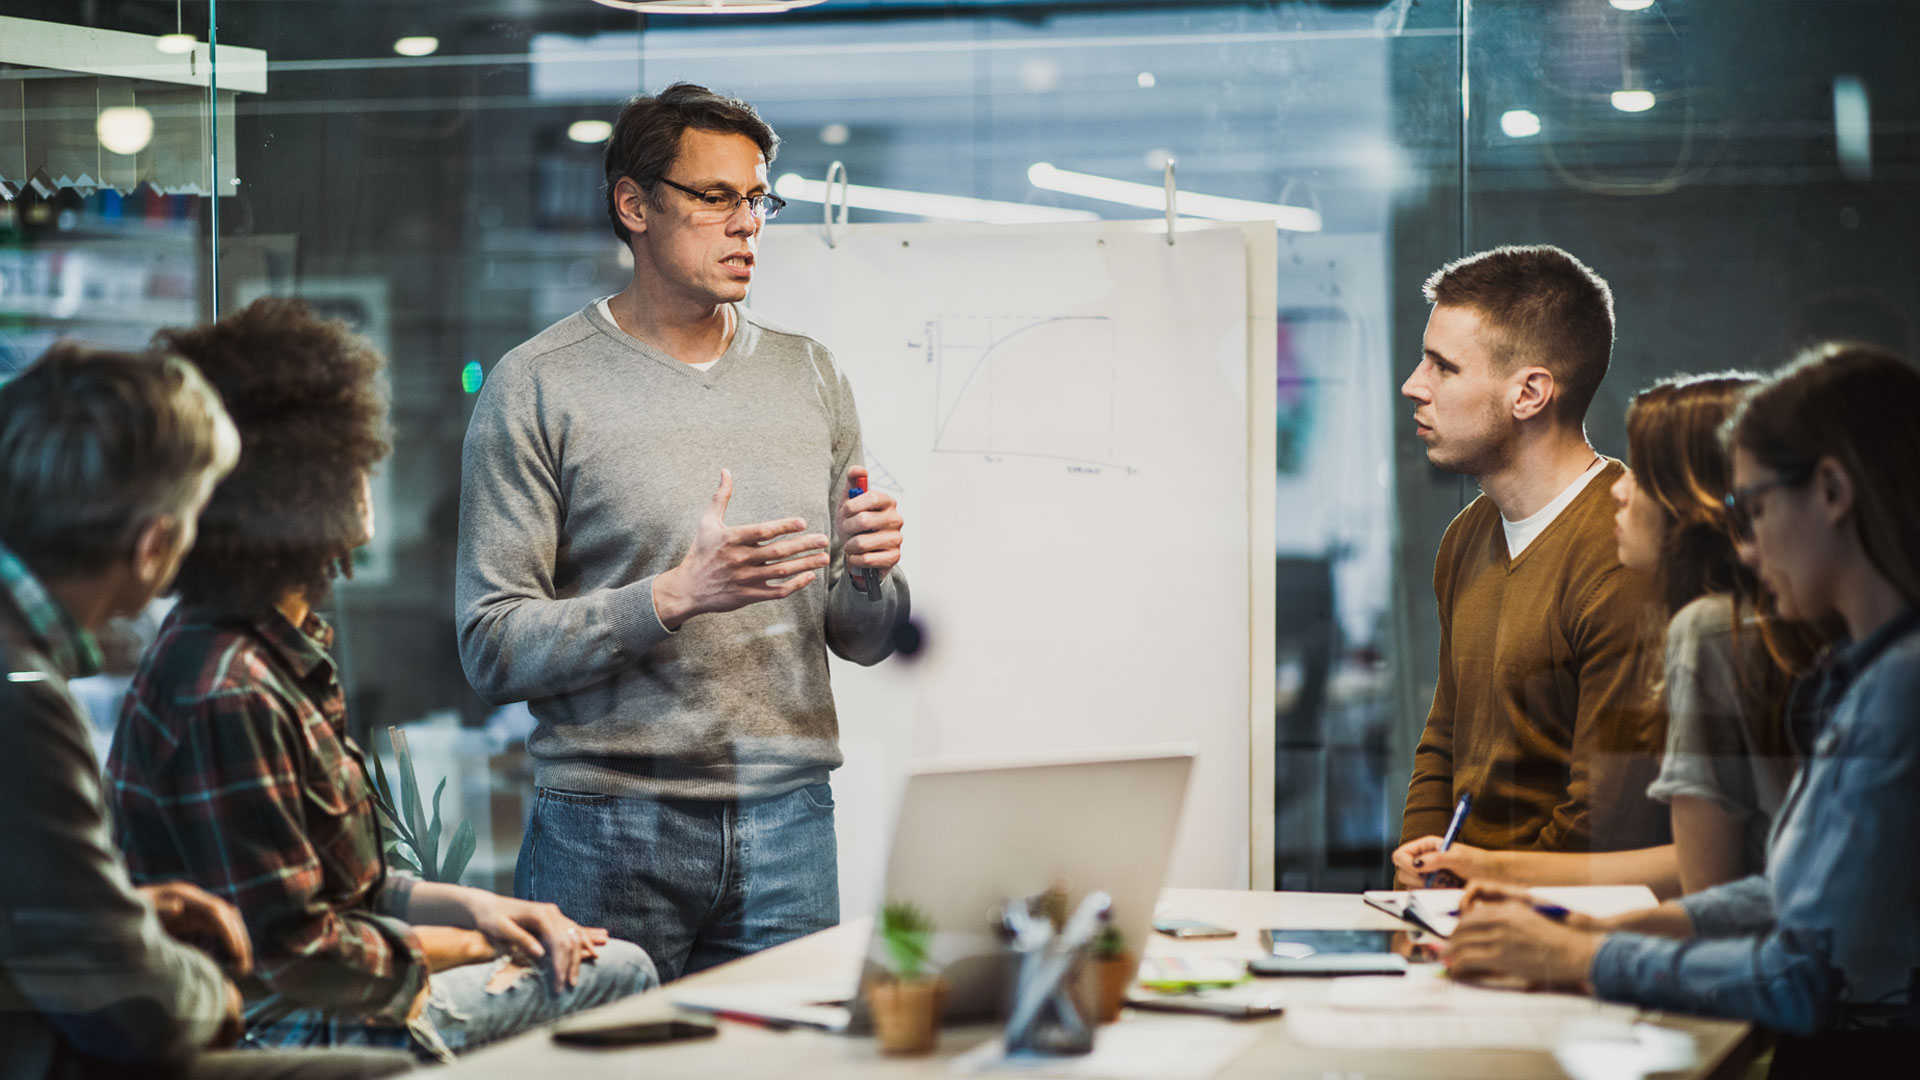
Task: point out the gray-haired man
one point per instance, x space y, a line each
106 460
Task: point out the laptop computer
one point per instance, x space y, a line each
972 835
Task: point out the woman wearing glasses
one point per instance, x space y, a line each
1825 942
1729 758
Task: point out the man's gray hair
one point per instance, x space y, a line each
96 445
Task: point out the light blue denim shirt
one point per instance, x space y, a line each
1829 937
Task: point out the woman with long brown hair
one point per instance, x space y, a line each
1728 758
1825 941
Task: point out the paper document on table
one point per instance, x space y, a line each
1353 1030
1438 910
1133 1049
1426 1008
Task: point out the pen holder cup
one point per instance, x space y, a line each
1052 1012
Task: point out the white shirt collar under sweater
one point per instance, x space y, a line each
1521 533
606 309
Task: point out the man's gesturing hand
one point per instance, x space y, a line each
731 567
870 529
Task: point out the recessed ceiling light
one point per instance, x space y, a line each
1519 123
417 46
1633 100
175 44
589 131
1146 80
1631 5
835 134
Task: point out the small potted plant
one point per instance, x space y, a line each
1111 973
906 999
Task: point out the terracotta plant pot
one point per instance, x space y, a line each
906 1014
1110 978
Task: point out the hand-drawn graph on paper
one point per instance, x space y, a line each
1025 386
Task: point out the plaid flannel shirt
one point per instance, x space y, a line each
73 650
232 768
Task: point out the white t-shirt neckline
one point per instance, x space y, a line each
1523 532
606 310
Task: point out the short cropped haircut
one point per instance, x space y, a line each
95 446
306 395
646 138
1545 308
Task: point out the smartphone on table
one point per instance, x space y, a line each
635 1033
1191 929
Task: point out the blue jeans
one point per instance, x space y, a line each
468 1007
694 883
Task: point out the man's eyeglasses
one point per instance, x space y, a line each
722 202
1740 501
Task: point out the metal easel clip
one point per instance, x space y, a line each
840 169
1173 198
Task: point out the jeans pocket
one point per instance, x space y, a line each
582 798
818 796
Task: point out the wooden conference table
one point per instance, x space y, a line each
1722 1048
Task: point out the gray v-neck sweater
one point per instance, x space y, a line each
589 459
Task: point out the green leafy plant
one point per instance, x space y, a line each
907 933
412 840
1110 945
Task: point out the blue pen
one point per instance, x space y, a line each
863 582
1453 830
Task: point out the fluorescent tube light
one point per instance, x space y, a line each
1633 100
1631 5
1154 197
417 46
708 7
796 188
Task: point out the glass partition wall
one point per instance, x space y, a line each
431 173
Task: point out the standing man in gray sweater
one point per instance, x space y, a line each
676 661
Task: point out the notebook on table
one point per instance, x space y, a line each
1437 911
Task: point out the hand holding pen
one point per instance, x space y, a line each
1450 879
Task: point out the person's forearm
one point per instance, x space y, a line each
436 903
1655 868
673 604
1669 920
449 947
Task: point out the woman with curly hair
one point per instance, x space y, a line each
1729 757
1823 947
232 766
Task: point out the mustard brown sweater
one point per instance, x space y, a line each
1545 710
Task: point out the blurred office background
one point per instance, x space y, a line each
1742 171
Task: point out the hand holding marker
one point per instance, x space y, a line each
865 582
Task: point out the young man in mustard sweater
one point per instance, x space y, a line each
1544 711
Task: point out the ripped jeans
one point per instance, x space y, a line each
471 1006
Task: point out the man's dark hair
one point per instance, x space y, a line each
304 392
97 445
646 138
1544 307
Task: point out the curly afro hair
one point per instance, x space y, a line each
306 395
